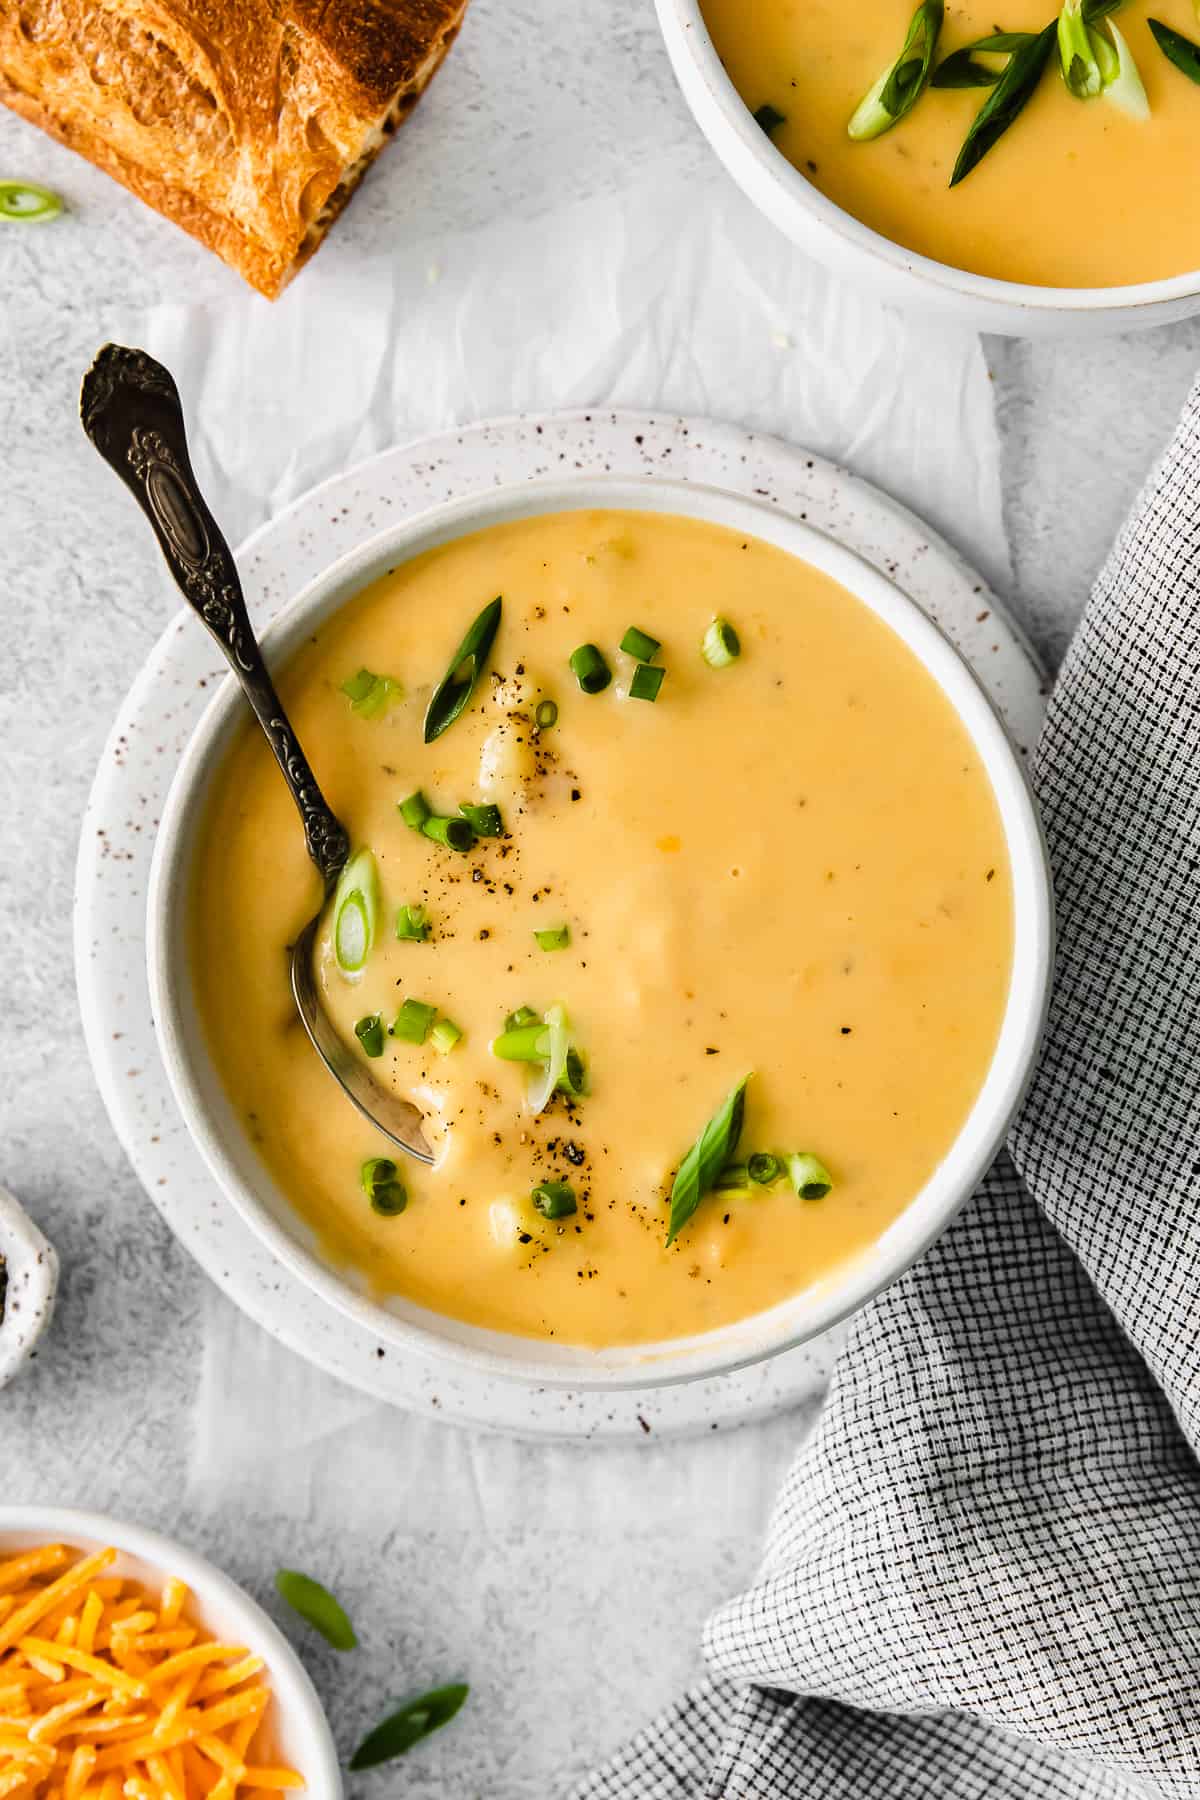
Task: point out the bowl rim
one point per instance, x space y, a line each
437 1337
729 125
292 1688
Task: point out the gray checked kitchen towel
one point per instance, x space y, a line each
983 1574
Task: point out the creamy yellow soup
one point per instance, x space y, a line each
1075 194
792 866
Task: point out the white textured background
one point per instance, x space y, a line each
570 1633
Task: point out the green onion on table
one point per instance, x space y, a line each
317 1607
899 87
25 203
453 692
407 1726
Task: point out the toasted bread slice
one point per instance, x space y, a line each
248 122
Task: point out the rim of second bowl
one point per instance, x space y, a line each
293 1693
439 1337
689 43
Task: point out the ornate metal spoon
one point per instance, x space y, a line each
131 410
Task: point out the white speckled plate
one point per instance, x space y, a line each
166 701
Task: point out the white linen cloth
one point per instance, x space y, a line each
983 1573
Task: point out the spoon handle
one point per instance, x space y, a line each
131 410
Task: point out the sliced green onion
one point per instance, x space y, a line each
808 1175
369 1032
524 1015
24 203
383 1188
902 83
555 937
764 1169
545 714
640 645
1105 52
485 821
1022 73
541 1089
368 694
961 69
734 1178
646 681
1124 88
590 669
1081 70
720 644
415 810
554 1199
703 1163
456 834
355 912
528 1042
453 692
316 1606
408 1726
413 1020
573 1079
769 118
1177 49
412 925
444 1036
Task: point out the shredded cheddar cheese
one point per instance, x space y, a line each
109 1692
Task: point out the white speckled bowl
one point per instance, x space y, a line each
850 248
296 1719
31 1283
399 1323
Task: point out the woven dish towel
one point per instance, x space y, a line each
983 1574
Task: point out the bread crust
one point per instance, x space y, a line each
247 122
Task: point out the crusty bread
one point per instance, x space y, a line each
248 122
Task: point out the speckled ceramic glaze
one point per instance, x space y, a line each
28 1284
155 725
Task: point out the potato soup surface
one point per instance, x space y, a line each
793 865
1075 194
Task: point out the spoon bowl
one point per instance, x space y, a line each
131 410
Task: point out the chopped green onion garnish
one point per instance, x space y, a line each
764 1169
1023 71
734 1178
369 1032
554 1199
23 203
555 937
444 1036
902 83
524 1015
1081 69
408 1726
369 694
590 669
485 821
386 1193
456 834
523 1043
546 714
355 912
543 1084
703 1163
412 924
1177 49
640 645
457 685
720 644
769 118
413 1020
1124 88
573 1079
808 1175
415 810
316 1606
646 681
962 69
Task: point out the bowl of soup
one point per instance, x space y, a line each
901 149
697 898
